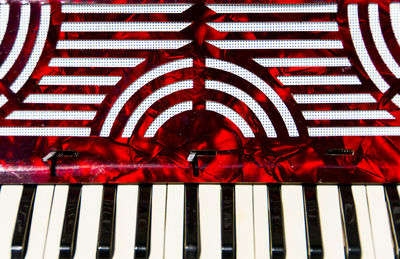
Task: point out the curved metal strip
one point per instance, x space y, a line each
232 116
19 40
165 116
150 100
135 86
248 101
260 84
37 49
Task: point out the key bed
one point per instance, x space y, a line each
199 221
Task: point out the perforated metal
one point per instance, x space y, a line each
19 41
80 80
95 62
353 131
377 36
273 8
277 44
333 98
274 26
37 49
260 84
248 100
122 44
361 50
135 86
51 115
123 26
65 98
4 15
319 80
347 115
304 62
124 8
150 100
45 131
232 116
165 116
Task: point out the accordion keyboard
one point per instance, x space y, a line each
199 221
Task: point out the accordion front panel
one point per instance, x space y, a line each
199 91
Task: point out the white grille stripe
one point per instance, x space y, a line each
273 8
377 36
303 62
95 62
80 80
353 131
273 26
65 98
3 100
4 15
19 40
396 100
165 116
361 49
319 80
333 98
45 131
122 44
36 51
347 115
51 115
260 84
139 83
248 100
232 116
150 100
123 26
124 8
395 20
277 44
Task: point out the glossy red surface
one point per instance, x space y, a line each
163 158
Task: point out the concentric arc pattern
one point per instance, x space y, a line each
88 92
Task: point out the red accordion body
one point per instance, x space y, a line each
288 91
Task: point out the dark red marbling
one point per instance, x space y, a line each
163 158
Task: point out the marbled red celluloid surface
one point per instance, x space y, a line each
360 154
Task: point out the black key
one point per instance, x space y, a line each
142 242
228 233
107 222
392 198
276 222
191 245
352 239
23 223
314 238
69 231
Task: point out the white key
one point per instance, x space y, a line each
331 221
173 244
210 220
261 229
10 197
125 221
52 248
40 220
158 204
380 225
244 221
293 221
88 222
363 222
